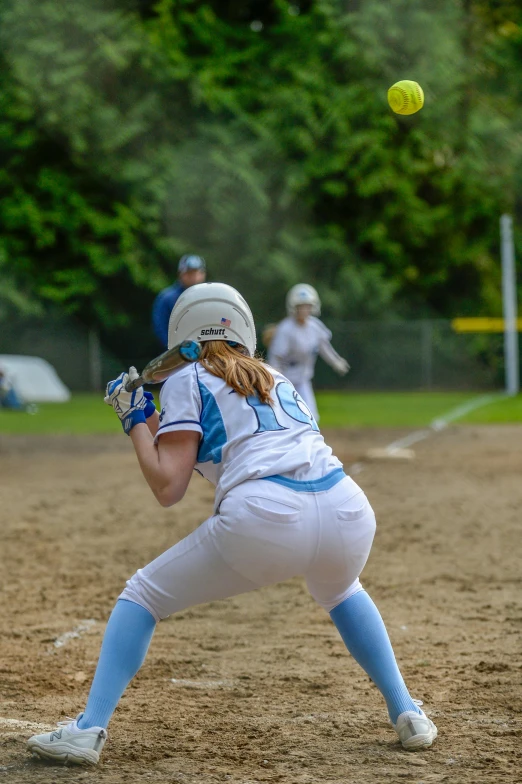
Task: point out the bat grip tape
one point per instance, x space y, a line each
130 386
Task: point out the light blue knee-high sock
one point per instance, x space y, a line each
124 647
363 631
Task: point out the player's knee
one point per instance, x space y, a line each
139 592
329 596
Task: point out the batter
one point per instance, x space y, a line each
283 507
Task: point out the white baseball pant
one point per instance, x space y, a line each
264 533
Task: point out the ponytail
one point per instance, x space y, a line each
246 375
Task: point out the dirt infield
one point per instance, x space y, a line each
259 688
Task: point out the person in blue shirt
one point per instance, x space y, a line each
191 270
9 397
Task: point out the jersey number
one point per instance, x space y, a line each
292 404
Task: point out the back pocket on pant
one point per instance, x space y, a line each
272 511
354 509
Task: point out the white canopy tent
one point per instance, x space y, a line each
34 379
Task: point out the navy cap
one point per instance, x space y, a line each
190 262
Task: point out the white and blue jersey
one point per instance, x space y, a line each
242 438
295 347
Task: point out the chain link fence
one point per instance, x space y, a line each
408 355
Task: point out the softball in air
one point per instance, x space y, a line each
406 97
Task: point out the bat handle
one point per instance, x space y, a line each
130 386
161 367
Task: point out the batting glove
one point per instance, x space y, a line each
131 407
150 408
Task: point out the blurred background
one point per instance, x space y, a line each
257 134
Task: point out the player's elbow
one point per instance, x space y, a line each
169 495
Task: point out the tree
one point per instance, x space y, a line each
258 135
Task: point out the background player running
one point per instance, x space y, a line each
299 339
283 507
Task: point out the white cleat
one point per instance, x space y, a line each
68 743
415 730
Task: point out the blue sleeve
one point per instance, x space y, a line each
161 310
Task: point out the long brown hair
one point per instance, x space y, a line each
246 375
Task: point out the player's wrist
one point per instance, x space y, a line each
150 408
133 418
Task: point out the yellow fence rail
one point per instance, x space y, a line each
480 324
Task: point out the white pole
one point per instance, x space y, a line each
509 306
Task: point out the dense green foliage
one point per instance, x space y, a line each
257 134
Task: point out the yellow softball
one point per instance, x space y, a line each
406 97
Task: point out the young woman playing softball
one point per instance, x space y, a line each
283 507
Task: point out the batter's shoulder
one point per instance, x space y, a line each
181 379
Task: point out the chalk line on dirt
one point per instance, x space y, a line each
78 631
187 684
17 724
438 424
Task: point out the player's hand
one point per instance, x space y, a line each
341 366
131 407
150 408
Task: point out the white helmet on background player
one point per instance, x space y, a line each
303 294
212 311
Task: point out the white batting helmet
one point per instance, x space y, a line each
303 294
212 311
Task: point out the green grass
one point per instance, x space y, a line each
87 413
408 409
385 409
508 410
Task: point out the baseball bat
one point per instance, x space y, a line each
160 368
